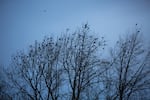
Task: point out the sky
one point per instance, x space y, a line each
24 21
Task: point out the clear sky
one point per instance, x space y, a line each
24 21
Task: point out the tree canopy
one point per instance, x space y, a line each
71 67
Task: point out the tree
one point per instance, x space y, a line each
130 71
81 62
36 75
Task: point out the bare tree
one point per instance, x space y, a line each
131 70
80 59
36 75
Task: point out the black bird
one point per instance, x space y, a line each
85 25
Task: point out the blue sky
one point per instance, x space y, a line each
24 21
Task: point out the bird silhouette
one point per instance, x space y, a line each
85 26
